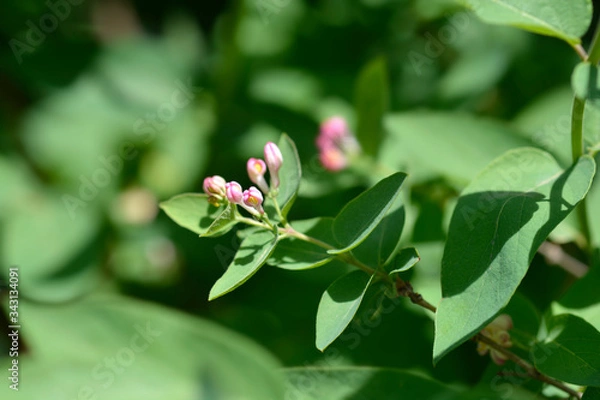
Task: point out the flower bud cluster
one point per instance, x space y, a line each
251 199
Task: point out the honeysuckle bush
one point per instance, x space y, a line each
513 206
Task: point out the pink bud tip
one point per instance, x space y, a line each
214 186
274 162
334 128
234 192
256 171
273 156
253 200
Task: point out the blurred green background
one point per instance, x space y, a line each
109 107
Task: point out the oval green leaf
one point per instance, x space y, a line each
372 99
569 351
566 20
405 260
191 211
117 345
252 254
290 174
500 220
380 247
362 215
338 306
223 223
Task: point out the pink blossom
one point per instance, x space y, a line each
234 192
253 200
256 171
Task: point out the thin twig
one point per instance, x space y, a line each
581 52
554 254
405 289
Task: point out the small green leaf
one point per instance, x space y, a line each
566 20
224 222
296 254
362 215
569 351
290 174
252 254
405 260
338 306
372 98
382 244
500 220
591 393
191 211
585 82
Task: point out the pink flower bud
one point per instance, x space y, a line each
333 159
336 143
274 161
256 171
334 128
214 186
253 200
234 192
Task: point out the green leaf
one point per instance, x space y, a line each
66 260
372 98
500 220
296 254
362 215
405 260
569 351
290 174
425 144
192 211
343 383
382 244
338 305
252 254
117 345
585 82
223 223
591 393
558 18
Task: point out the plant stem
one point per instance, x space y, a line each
580 52
530 369
404 288
577 149
577 128
278 209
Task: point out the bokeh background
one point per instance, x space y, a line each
109 107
